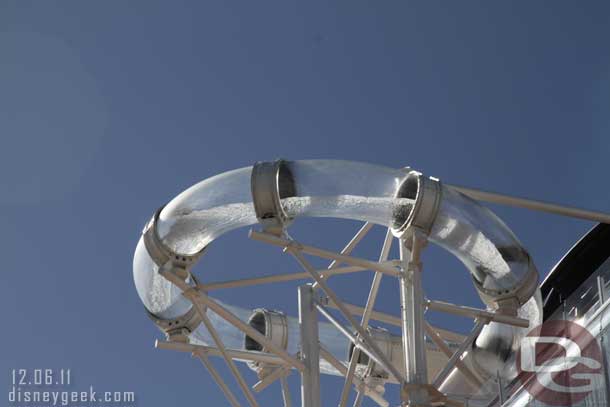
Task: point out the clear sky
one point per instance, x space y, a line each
109 109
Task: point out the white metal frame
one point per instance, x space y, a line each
415 390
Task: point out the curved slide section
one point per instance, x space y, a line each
501 269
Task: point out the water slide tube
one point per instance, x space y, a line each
275 193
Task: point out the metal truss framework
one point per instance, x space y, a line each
319 298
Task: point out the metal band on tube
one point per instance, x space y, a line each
427 193
514 298
159 252
179 328
271 182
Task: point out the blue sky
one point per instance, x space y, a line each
109 109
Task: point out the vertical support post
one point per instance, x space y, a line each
310 351
412 316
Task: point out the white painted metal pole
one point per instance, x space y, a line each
471 312
217 378
442 375
351 245
370 304
440 343
372 352
230 363
369 392
601 292
310 353
275 278
198 298
375 315
532 204
358 401
239 355
325 254
412 314
268 380
376 353
285 392
248 330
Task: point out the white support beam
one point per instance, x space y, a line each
285 392
251 332
268 380
366 316
230 363
349 377
197 297
334 362
476 313
440 343
325 254
412 316
532 204
376 355
394 320
275 278
601 291
444 373
349 247
375 315
375 352
238 355
217 378
310 353
364 388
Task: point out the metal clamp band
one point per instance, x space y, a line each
274 326
511 300
159 252
178 329
271 182
427 194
